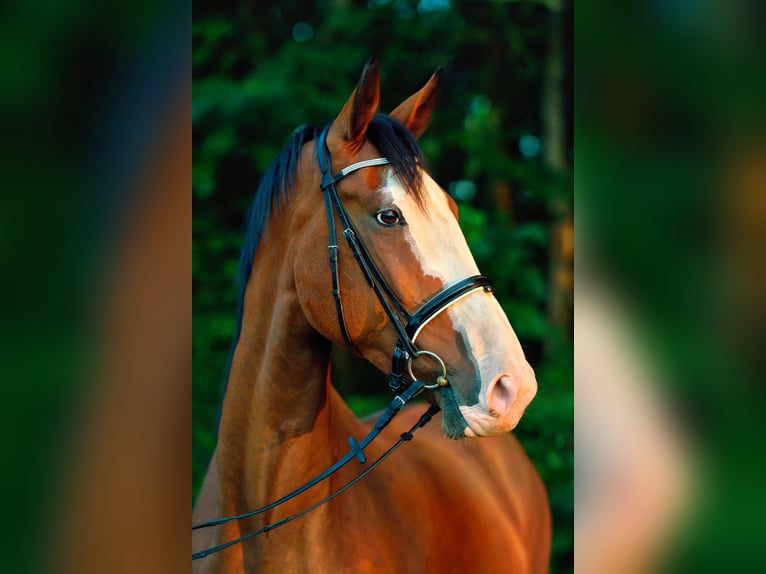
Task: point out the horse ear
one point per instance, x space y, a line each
415 112
351 124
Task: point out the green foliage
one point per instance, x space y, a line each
257 77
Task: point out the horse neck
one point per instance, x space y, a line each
281 422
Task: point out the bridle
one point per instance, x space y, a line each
407 325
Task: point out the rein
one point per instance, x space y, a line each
401 378
357 451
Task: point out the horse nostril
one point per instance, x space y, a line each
500 396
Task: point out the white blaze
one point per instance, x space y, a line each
437 242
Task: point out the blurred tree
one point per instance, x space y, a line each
560 300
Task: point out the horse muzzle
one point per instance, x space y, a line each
500 408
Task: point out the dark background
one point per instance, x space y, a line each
500 142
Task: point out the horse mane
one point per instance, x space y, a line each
387 134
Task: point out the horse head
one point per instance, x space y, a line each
408 225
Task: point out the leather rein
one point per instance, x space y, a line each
402 381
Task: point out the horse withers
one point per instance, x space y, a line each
401 282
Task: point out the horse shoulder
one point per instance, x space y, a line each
519 493
482 501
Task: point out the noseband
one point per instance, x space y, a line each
406 324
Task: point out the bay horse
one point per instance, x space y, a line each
437 505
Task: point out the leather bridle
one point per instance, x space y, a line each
407 325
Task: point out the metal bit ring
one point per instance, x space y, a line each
441 381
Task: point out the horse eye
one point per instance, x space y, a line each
388 217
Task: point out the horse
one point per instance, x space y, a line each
460 497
